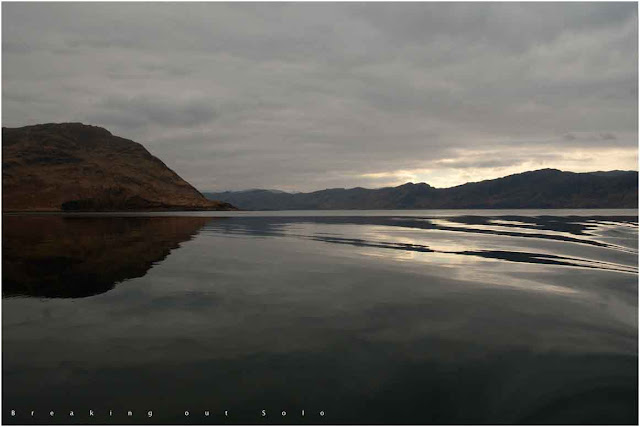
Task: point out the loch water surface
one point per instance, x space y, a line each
394 317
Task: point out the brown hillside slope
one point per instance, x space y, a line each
72 166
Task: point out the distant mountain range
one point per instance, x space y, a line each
539 189
76 167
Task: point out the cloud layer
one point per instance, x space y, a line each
303 96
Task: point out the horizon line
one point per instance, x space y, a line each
415 183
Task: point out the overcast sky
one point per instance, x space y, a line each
306 96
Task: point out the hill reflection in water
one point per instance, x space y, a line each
74 257
458 319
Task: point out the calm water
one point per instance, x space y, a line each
449 317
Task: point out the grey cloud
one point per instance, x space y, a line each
308 95
513 26
593 139
143 110
484 163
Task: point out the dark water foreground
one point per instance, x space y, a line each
457 319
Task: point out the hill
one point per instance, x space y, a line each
540 189
71 166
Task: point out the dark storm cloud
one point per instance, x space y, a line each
304 96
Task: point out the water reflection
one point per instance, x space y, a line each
74 257
375 320
548 229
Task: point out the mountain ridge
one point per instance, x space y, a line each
537 189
